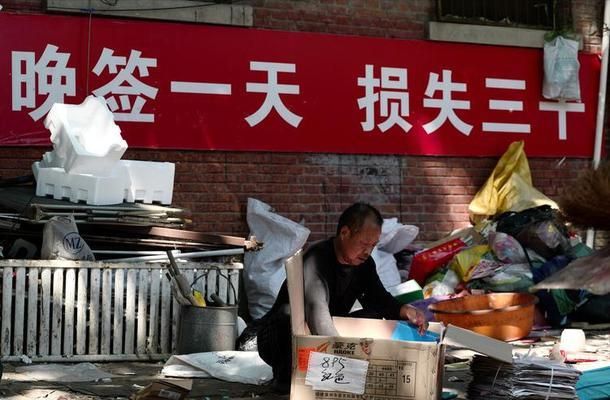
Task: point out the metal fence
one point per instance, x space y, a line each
95 311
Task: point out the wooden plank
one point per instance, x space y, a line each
142 302
90 358
7 310
201 284
166 304
200 237
65 264
175 317
119 287
106 311
70 287
57 312
153 324
233 287
32 327
223 285
19 317
94 311
130 311
189 274
81 312
212 281
45 312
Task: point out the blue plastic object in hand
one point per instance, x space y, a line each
406 331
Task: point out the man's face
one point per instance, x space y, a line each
356 247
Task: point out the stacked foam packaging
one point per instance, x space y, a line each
85 164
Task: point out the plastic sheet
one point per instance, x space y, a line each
508 188
264 270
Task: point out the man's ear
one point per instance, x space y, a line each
344 232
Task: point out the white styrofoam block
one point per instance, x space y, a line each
130 181
94 190
50 160
85 138
149 181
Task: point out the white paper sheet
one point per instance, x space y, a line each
336 373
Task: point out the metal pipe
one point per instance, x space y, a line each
601 105
135 252
196 254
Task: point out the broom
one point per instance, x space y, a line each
586 202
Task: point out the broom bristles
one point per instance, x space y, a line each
586 203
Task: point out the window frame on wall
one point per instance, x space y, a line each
474 27
533 14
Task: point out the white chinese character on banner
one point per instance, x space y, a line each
562 108
49 76
445 103
505 105
394 103
125 84
273 90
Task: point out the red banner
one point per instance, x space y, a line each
185 86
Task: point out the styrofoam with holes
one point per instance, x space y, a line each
149 181
91 189
130 181
85 138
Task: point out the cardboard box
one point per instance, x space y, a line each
397 369
165 389
407 292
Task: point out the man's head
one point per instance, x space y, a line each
358 232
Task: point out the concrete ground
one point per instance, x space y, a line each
129 377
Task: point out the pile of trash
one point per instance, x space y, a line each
519 239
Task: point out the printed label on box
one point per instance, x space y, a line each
331 372
385 379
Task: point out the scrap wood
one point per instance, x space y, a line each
249 244
25 205
180 281
181 237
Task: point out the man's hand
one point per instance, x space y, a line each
415 316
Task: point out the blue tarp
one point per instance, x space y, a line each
594 384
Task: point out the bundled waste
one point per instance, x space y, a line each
520 242
526 378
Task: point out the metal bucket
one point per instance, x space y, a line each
202 329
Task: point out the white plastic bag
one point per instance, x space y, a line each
232 366
264 269
61 241
561 70
394 238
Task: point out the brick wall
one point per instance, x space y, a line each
588 17
431 192
405 19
